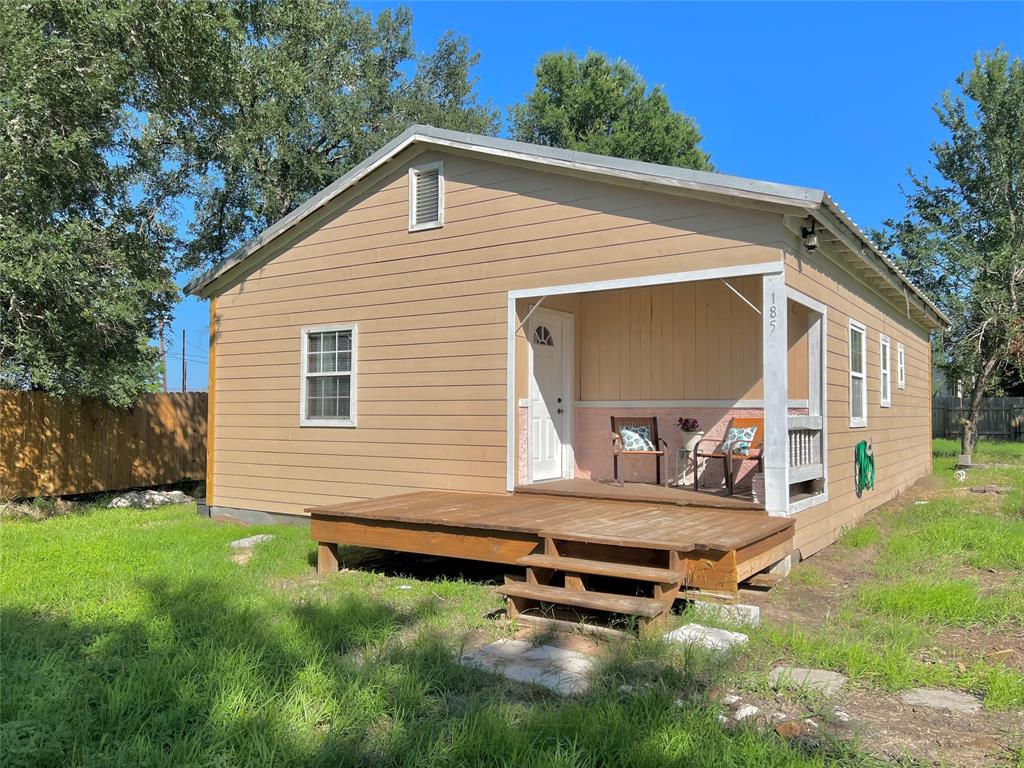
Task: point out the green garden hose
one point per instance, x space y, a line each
864 459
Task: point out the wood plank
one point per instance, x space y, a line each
467 543
601 568
600 601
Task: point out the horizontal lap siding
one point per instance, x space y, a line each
900 434
431 310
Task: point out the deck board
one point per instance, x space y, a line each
659 526
640 492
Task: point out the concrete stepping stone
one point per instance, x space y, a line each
250 541
941 698
823 680
720 640
565 672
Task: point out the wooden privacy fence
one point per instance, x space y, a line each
1001 418
50 447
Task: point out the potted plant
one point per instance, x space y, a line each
692 433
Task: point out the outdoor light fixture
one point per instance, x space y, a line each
809 235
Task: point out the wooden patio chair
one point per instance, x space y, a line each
738 443
637 436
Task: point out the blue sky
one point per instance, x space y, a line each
831 95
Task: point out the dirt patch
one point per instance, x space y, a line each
886 726
878 720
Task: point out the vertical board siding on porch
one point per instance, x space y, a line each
684 341
431 311
900 433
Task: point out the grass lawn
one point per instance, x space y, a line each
129 637
940 589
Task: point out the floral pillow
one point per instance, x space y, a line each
636 438
739 440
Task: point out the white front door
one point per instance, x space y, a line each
550 417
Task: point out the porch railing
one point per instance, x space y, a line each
806 461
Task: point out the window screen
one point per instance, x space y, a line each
329 357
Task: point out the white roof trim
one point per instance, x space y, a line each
705 182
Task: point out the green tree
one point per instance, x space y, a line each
120 116
316 87
962 238
83 277
595 105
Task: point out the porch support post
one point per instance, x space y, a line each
775 348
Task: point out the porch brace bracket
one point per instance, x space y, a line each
745 299
529 314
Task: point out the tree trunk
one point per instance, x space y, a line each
969 439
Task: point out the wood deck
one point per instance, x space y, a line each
643 492
570 547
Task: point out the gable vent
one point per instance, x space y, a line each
426 193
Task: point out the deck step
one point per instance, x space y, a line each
601 568
599 601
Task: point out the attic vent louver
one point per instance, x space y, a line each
426 196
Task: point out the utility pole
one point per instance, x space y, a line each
163 354
184 364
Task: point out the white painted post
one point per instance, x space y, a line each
775 347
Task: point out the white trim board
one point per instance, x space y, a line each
766 268
682 404
510 397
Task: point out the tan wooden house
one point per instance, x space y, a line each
427 356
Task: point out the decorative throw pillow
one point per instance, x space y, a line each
636 438
739 439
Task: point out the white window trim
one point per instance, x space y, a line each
901 365
885 370
858 422
413 170
303 375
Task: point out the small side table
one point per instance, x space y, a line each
682 457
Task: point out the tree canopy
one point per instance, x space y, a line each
122 118
595 105
962 238
84 279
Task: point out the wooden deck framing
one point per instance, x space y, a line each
567 543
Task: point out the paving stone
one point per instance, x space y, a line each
823 680
250 541
557 669
706 637
940 698
739 613
745 712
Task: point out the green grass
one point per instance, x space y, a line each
986 450
860 537
130 639
953 563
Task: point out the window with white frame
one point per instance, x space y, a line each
901 366
858 375
426 196
328 388
885 363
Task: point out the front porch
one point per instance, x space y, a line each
604 556
741 346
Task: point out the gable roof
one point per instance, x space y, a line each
803 200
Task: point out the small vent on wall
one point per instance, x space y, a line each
427 197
